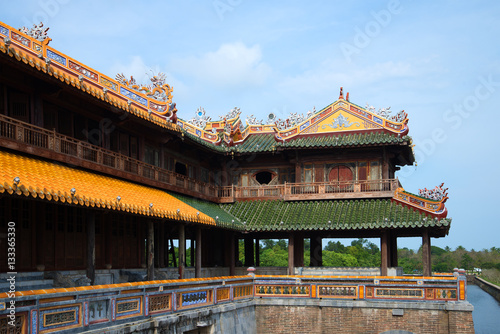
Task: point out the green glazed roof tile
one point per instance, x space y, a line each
260 143
225 219
267 215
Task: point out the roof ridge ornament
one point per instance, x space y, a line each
158 89
38 32
436 194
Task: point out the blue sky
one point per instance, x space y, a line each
437 60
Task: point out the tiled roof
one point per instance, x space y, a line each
53 182
53 63
260 143
223 218
278 215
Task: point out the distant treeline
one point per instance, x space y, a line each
363 253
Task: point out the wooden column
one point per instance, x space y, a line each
232 254
249 262
108 243
298 256
316 255
426 253
151 250
182 251
193 255
384 253
257 253
39 238
393 250
198 253
291 252
91 246
161 246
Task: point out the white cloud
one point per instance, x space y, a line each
232 64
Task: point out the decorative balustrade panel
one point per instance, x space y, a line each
64 309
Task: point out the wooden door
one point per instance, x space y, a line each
340 173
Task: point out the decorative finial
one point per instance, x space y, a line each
341 95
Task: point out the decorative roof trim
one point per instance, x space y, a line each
434 207
60 66
339 118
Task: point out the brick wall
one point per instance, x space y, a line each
317 319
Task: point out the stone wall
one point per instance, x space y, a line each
492 289
325 316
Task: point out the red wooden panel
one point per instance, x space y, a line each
345 173
334 174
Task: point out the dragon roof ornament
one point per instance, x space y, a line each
233 113
201 119
385 113
158 89
38 32
436 194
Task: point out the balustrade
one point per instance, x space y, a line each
26 133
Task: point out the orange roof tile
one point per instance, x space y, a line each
54 182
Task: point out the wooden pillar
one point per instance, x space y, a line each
108 243
91 246
232 254
249 262
393 250
161 246
151 249
298 256
426 253
192 251
291 253
257 251
40 236
172 251
384 253
182 251
316 255
156 250
198 253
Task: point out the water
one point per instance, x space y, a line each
486 314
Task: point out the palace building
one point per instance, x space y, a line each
104 182
102 173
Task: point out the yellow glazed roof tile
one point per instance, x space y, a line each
51 181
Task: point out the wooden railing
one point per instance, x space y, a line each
314 190
39 137
35 136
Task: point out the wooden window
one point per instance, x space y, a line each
362 171
134 148
80 127
152 156
19 106
205 176
124 144
308 174
374 170
49 116
65 122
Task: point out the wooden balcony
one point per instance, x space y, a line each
312 191
35 140
32 139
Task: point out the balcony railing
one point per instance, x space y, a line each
314 190
25 133
42 138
